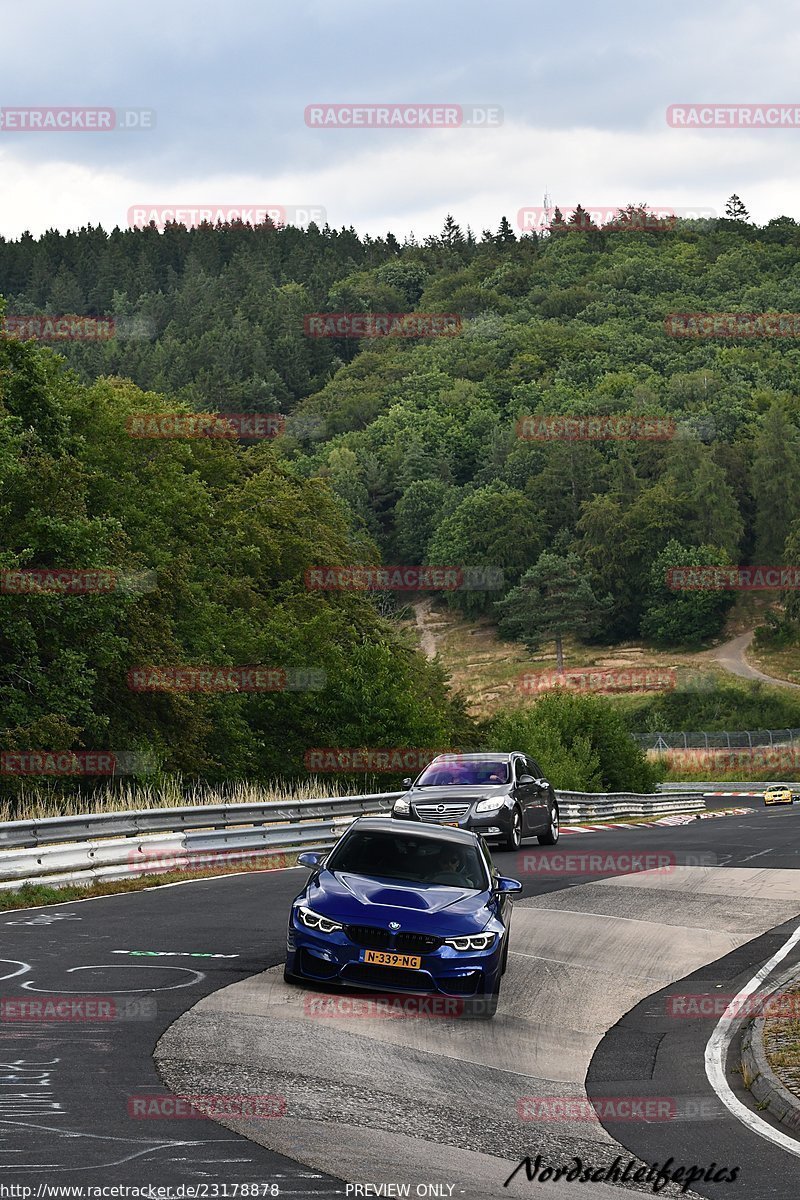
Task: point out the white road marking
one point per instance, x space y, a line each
717 1049
198 975
749 856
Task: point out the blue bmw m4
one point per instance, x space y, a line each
401 908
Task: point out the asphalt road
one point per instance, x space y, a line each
597 949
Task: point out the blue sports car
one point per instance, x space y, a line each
404 908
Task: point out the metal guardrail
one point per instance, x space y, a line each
760 785
80 849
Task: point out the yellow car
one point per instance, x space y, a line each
780 793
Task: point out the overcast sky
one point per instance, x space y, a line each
583 89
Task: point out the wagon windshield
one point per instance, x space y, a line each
457 773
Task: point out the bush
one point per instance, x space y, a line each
580 742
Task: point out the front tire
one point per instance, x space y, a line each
514 835
550 836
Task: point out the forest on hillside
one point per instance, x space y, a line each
396 450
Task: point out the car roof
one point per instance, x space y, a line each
487 756
435 833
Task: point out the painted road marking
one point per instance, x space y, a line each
173 954
717 1049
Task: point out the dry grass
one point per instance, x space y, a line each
763 764
782 1042
490 671
169 792
783 663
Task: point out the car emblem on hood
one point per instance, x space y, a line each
440 808
394 924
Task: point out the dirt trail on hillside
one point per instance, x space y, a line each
427 640
731 656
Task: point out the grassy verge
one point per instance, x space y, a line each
782 1042
492 672
31 895
47 800
782 662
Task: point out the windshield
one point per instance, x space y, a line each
412 859
464 773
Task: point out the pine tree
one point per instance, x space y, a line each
554 598
505 234
735 209
451 234
718 521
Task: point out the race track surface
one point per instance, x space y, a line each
599 946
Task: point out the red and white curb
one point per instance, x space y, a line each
672 819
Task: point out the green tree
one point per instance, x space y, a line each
417 514
776 465
735 209
553 599
581 743
685 616
718 521
492 532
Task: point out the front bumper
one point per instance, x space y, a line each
334 959
779 799
492 826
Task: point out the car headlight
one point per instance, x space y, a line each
489 805
402 806
315 920
474 941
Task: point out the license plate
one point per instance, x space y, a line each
387 958
453 824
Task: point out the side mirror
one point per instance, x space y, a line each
527 779
502 884
310 859
407 782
